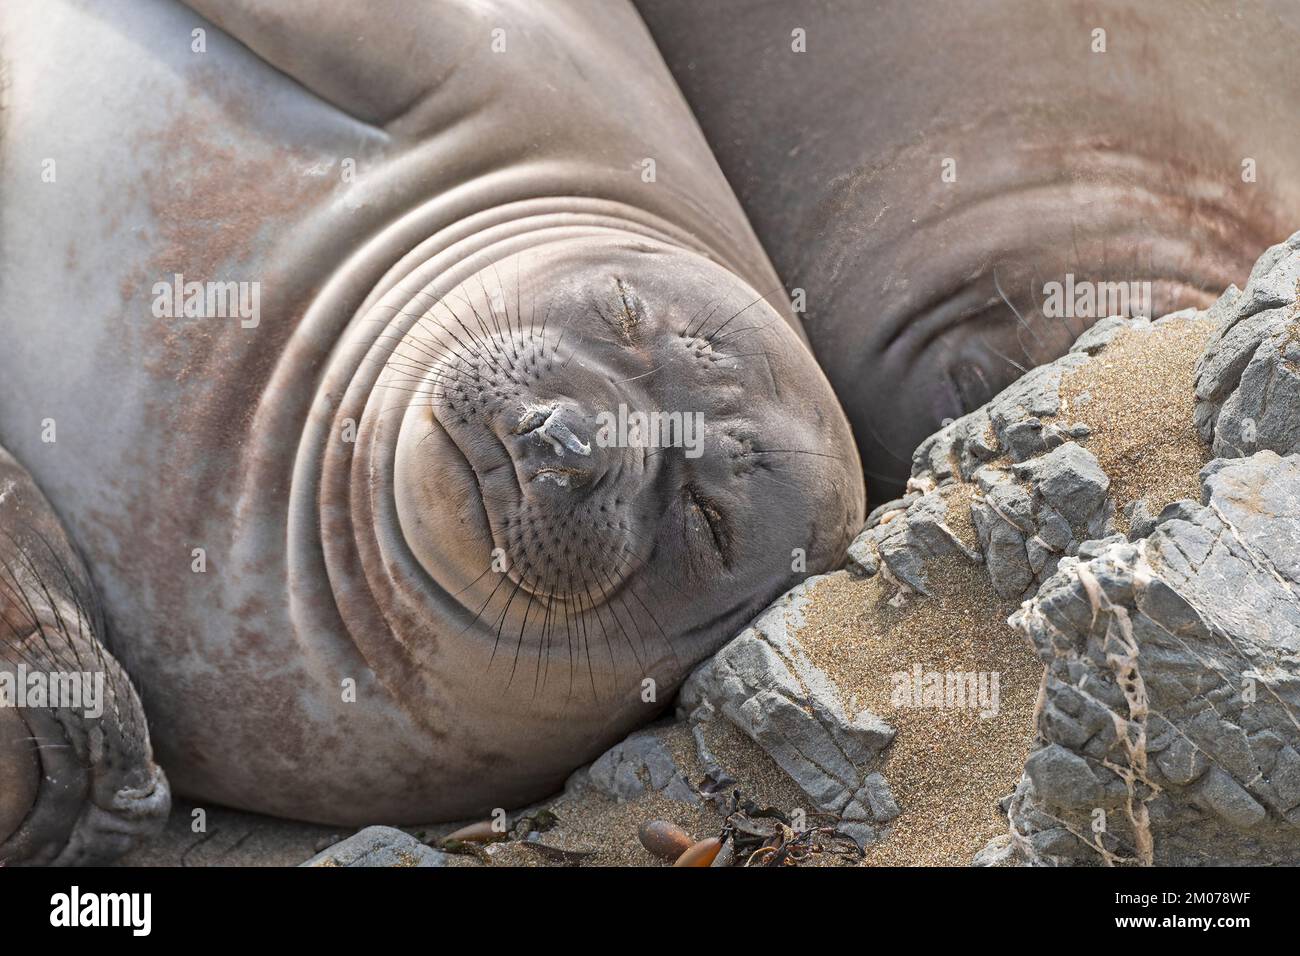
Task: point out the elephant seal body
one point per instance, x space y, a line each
924 171
329 312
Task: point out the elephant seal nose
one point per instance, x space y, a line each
554 444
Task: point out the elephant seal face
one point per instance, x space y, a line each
615 468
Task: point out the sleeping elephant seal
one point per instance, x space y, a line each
960 189
411 380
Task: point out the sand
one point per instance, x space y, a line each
1136 396
947 767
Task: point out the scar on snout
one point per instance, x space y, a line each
541 420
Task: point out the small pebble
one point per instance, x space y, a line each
665 840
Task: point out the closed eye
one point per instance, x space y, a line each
712 518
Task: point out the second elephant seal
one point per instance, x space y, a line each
940 178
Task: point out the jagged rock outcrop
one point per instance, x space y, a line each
1248 380
1011 488
764 683
1033 492
1170 723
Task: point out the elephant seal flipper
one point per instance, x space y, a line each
78 784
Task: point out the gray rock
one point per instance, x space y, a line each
1222 795
910 540
879 799
1031 516
1140 520
385 846
1002 538
1003 426
1284 775
1043 495
874 801
764 683
1001 851
1248 379
1264 410
1070 480
1031 436
1100 335
889 507
1173 685
863 834
1053 530
1182 761
1063 777
639 763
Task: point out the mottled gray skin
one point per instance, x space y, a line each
1115 166
292 522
